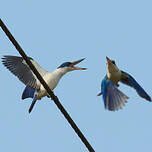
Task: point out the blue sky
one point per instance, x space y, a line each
53 32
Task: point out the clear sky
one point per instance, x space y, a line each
53 32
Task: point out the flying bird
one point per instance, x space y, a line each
34 89
113 98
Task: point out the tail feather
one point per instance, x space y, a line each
33 103
28 93
113 98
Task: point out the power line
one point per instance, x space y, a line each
53 97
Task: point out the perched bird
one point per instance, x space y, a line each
34 89
113 98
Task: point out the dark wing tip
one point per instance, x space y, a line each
148 98
4 57
5 60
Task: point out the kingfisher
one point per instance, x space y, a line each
113 98
34 89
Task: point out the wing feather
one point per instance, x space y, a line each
130 81
19 68
113 98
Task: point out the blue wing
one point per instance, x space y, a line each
130 81
113 98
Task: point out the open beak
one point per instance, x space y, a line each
108 60
76 62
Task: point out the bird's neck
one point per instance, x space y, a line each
52 79
114 74
58 73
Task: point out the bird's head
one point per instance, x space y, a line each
70 66
111 66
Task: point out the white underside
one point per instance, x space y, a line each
52 80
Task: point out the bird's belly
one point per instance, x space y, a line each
42 92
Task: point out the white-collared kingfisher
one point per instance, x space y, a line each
113 98
34 89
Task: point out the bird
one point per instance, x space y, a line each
113 98
34 89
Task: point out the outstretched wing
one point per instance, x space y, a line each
130 81
19 68
113 98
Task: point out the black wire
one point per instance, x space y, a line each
53 97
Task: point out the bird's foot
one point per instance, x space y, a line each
99 94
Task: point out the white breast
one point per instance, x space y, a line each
52 80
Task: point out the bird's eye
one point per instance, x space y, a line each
68 64
65 64
113 62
